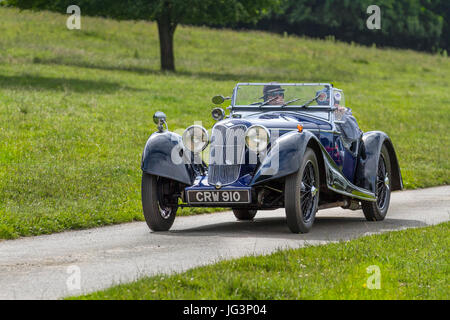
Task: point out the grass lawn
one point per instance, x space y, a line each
76 107
413 264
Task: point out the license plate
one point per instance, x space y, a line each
218 196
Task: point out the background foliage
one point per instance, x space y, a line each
414 24
183 11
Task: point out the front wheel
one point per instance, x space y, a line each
302 194
377 210
158 215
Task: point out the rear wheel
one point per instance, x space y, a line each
377 210
244 214
155 192
302 194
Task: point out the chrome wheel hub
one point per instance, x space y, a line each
165 212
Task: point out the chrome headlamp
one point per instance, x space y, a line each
195 138
257 138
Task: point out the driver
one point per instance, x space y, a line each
273 93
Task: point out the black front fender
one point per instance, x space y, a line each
284 157
366 170
162 157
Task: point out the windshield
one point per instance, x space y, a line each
313 99
282 95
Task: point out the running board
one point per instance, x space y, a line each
339 184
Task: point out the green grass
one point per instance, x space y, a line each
76 107
413 264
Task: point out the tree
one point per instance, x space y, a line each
167 14
415 24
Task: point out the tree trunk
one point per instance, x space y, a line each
166 29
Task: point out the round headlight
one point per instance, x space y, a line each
218 114
195 138
257 138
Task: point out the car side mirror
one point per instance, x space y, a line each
219 99
159 118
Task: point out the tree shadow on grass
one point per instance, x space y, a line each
34 82
99 66
216 76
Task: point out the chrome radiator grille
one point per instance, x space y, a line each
226 154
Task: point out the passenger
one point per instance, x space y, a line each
345 122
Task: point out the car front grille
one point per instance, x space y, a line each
226 154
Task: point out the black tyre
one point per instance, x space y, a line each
159 217
377 210
302 194
244 214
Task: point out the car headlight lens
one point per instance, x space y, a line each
195 138
257 138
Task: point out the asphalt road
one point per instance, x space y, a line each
47 267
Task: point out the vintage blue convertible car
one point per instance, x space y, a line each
283 145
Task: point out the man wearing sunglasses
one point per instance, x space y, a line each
273 94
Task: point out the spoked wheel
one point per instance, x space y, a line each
308 191
377 210
156 193
302 194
